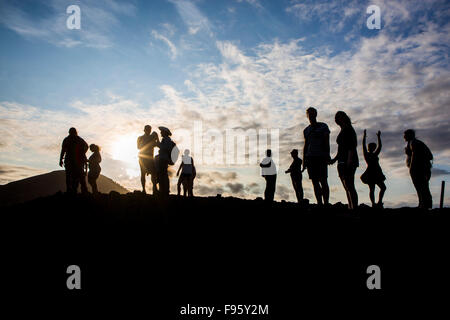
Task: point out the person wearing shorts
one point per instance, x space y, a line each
316 155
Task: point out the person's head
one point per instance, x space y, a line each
294 153
311 113
372 146
186 152
73 131
165 132
147 129
94 148
342 119
268 152
409 135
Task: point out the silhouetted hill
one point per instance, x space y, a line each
47 184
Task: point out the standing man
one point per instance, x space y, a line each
296 175
73 157
316 155
269 172
164 160
419 161
145 144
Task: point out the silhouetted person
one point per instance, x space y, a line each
164 159
347 157
373 176
419 161
295 170
187 176
73 157
94 166
146 144
269 172
316 155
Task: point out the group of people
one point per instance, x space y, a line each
157 166
73 158
316 158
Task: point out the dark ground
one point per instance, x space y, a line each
139 253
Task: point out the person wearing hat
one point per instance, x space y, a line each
296 174
146 144
164 159
73 158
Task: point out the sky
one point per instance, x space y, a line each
222 66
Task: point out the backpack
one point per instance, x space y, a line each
426 153
174 153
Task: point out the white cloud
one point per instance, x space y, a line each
98 20
172 47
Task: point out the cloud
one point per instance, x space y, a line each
192 17
10 173
435 172
388 82
172 47
98 21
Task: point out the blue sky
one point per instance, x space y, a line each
230 64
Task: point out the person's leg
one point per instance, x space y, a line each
417 185
180 181
428 199
189 186
350 182
372 194
300 189
68 180
164 179
317 191
294 185
347 193
382 187
273 182
325 190
82 177
266 191
185 187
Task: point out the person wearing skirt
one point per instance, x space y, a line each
373 176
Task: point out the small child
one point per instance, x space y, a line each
373 174
94 167
296 174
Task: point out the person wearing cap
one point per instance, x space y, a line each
295 170
164 160
73 158
146 145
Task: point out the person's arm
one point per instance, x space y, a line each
413 156
327 142
289 170
378 150
364 143
63 152
262 165
305 148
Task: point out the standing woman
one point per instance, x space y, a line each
347 157
94 167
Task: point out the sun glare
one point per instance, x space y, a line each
124 149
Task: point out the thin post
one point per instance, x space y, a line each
442 194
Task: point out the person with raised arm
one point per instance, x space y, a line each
373 176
